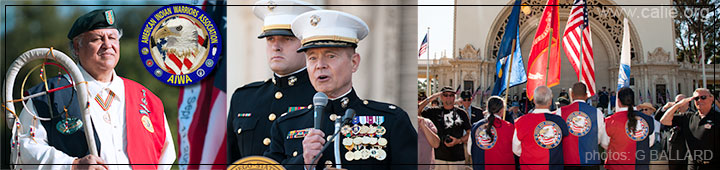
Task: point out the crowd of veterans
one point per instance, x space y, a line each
608 130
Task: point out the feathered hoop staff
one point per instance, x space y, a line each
77 82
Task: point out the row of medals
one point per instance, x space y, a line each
364 141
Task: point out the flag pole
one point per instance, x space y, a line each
702 53
547 57
508 75
582 50
427 66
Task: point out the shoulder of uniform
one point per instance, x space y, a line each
252 85
459 109
383 107
294 114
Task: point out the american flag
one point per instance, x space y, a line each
577 22
423 45
202 109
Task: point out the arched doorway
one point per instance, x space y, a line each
606 31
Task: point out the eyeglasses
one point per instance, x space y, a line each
466 99
700 98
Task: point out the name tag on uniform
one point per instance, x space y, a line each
297 134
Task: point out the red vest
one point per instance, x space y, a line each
144 124
581 146
541 136
627 148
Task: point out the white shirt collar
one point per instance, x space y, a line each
578 101
95 87
620 109
345 94
541 111
496 116
297 71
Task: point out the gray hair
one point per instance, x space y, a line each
543 96
77 39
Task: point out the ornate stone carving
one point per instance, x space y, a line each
659 80
659 55
469 52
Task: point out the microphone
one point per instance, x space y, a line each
319 100
349 115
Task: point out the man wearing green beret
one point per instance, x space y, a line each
131 130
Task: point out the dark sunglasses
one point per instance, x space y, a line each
448 95
466 99
700 98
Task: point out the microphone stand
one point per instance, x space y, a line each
349 114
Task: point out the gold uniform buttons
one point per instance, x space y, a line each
272 117
266 141
328 163
295 153
365 102
392 107
239 130
333 117
278 95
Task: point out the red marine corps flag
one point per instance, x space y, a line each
544 62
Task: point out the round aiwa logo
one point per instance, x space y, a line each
179 44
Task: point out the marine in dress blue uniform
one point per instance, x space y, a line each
380 136
256 106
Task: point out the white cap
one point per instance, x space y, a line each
328 28
278 14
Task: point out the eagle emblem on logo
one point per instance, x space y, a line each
642 130
179 44
547 134
579 123
483 140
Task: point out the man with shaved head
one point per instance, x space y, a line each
698 128
538 135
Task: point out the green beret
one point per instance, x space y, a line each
97 19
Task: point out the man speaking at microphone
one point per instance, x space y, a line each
255 106
379 136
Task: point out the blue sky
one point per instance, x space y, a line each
440 21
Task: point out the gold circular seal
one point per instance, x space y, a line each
255 163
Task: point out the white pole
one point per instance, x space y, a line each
427 66
702 54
